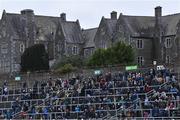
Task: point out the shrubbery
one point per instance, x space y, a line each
119 53
66 68
35 58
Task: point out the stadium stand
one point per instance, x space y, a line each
121 95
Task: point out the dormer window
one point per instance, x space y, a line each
168 43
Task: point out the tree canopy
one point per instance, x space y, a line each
119 53
35 58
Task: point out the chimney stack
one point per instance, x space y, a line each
27 12
63 16
158 14
114 15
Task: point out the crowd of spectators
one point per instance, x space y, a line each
122 94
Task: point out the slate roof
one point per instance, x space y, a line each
46 24
111 24
72 32
14 20
89 35
138 24
170 22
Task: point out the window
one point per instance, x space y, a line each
140 60
4 48
91 51
168 59
139 44
167 42
6 64
22 47
104 45
86 52
58 48
102 31
74 50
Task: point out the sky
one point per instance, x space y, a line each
90 12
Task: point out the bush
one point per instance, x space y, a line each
35 58
67 68
120 53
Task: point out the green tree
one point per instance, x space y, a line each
119 53
35 58
67 68
98 58
124 54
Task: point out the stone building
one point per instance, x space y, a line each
154 38
20 31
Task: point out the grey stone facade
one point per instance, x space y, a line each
20 31
154 38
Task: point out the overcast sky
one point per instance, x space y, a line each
90 12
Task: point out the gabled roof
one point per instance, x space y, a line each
139 24
146 24
170 22
111 24
72 32
14 21
46 24
89 35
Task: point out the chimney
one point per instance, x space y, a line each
114 15
27 12
28 22
158 14
63 16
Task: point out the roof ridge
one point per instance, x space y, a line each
46 16
34 15
68 21
171 15
90 28
137 16
109 19
12 14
